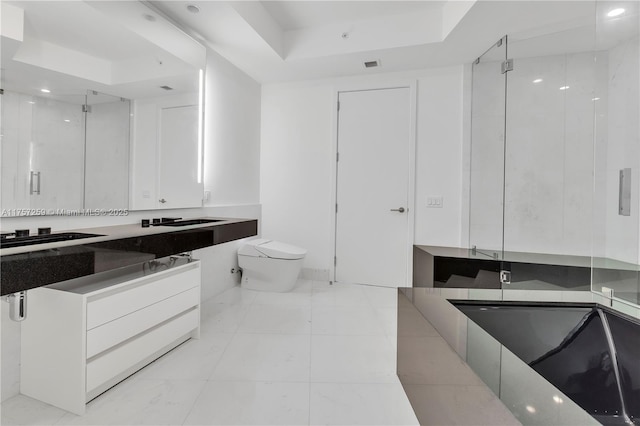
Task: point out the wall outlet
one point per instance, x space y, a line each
207 195
435 202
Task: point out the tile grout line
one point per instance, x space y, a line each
310 354
206 382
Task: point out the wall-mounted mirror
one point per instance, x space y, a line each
90 91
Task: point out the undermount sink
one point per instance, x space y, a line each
189 222
42 239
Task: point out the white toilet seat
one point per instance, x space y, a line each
272 249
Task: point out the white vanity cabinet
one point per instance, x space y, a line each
83 336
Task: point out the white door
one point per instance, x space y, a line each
372 193
178 184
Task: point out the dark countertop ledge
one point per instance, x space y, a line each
32 266
116 232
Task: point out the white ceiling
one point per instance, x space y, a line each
276 41
294 15
79 27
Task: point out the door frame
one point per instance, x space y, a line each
412 85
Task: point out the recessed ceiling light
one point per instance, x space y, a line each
149 17
45 90
595 99
557 399
31 102
193 8
564 87
537 80
530 409
66 120
615 12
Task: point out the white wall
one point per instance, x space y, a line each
439 167
295 168
231 173
297 163
232 134
618 147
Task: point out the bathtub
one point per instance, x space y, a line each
589 352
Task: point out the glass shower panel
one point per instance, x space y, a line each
548 193
42 153
56 153
487 152
617 160
107 152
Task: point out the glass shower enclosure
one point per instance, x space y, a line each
555 156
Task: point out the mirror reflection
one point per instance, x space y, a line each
85 85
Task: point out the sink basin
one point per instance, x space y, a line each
41 239
189 222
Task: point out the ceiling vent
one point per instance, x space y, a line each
166 87
372 64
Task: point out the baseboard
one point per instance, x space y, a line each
315 274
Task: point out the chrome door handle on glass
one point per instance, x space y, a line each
401 210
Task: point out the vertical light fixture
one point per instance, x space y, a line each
200 116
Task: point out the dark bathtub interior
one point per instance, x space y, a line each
589 352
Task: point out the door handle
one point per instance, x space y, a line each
37 175
162 200
401 210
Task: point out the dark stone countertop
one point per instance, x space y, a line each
32 266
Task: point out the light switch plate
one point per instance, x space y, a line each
435 202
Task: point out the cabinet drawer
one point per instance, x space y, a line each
104 368
110 334
126 301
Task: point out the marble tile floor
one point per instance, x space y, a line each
321 354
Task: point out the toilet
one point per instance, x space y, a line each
269 265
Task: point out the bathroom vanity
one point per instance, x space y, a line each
102 307
83 336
